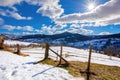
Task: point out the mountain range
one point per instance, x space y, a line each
99 42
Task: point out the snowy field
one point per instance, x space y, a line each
73 54
11 42
14 67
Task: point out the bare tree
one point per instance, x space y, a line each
111 51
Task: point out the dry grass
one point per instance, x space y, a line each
49 61
13 51
101 72
7 49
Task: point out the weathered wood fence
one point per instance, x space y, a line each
89 62
47 48
5 47
1 42
46 56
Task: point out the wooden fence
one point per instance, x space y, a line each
47 48
46 56
5 47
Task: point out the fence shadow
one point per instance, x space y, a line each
42 71
30 62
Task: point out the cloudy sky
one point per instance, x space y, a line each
88 17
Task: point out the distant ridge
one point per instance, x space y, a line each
99 42
66 35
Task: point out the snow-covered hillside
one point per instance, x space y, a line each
98 44
13 42
14 67
73 54
69 53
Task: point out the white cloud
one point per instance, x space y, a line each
19 17
9 2
49 8
1 21
13 14
103 13
23 28
13 8
112 21
85 31
3 13
26 33
51 29
104 33
8 27
47 29
78 28
38 30
28 18
74 25
80 31
51 11
28 28
56 29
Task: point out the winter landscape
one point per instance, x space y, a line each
59 39
14 67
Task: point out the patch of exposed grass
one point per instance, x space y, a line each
101 72
50 62
5 48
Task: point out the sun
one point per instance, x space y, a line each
91 6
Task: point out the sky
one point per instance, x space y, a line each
87 17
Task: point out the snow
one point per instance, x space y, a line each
98 44
82 55
13 42
14 67
75 54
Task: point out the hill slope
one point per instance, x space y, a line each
99 42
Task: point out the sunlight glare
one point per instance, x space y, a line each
91 6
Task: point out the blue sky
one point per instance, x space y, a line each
88 17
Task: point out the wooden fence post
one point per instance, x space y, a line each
61 49
1 42
18 49
89 61
66 62
46 51
57 57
